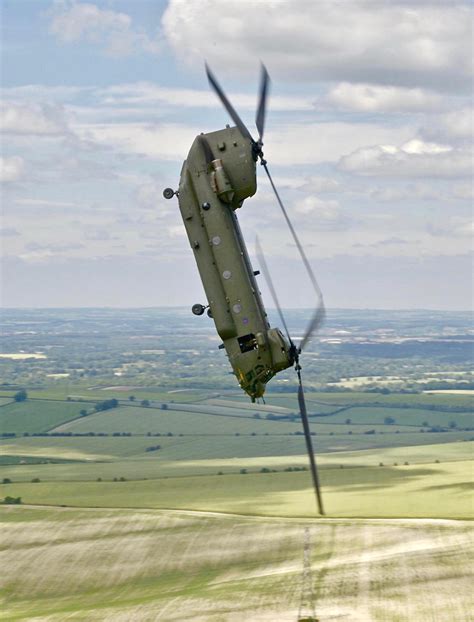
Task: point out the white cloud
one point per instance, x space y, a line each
165 141
40 203
455 126
464 191
377 98
11 169
457 226
312 143
37 119
465 228
73 22
413 159
394 43
140 93
149 196
320 184
324 215
286 145
420 191
9 232
39 93
98 234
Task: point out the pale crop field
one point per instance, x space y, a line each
121 565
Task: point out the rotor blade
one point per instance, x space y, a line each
314 324
309 445
227 105
262 104
320 309
266 274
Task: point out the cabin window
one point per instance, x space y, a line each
247 343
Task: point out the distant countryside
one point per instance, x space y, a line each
126 427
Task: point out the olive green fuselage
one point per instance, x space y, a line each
218 174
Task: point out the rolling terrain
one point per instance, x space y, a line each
128 498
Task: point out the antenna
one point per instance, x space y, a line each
306 611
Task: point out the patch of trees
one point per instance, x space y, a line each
153 448
106 405
11 500
61 434
20 396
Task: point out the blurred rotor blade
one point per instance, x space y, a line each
320 309
266 274
262 104
227 105
309 445
315 323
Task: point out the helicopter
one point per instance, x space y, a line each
217 176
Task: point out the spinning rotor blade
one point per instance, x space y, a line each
262 104
227 105
266 274
301 400
320 309
309 444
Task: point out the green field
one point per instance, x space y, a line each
36 416
180 420
403 416
141 565
222 435
357 489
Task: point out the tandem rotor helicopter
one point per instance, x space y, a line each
217 176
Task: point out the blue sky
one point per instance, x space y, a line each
369 138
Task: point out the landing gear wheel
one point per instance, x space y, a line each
198 309
209 313
168 193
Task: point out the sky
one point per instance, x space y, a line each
368 138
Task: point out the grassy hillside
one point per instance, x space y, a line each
160 565
421 489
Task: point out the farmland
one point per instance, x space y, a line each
178 497
182 566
